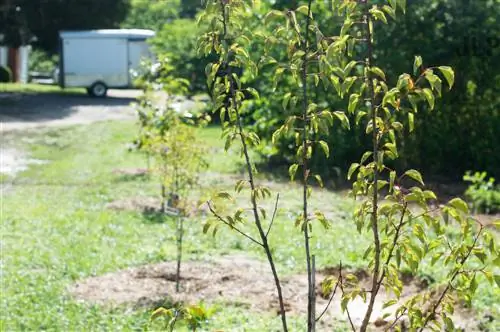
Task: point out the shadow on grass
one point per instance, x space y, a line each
132 177
155 216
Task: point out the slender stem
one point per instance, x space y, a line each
394 242
450 282
258 223
375 141
346 308
180 233
396 320
274 214
332 296
232 226
311 322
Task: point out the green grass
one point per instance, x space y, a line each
31 88
56 230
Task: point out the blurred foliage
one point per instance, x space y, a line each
151 14
41 61
483 193
178 39
44 19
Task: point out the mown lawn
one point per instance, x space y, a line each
56 230
38 88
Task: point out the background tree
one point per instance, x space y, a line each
46 18
151 14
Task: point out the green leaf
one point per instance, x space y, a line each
320 181
303 10
378 14
392 177
449 323
429 96
286 99
343 118
402 4
497 280
459 204
365 156
417 63
448 74
239 185
415 175
352 169
253 92
389 10
353 102
292 170
411 121
389 303
325 148
224 195
377 71
272 15
161 312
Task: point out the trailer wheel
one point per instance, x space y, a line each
98 89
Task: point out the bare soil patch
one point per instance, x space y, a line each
239 281
140 203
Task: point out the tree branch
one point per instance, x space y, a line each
455 274
333 294
394 242
346 308
274 214
232 226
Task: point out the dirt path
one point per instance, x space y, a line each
19 112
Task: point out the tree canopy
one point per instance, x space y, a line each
44 19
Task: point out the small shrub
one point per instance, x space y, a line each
5 74
482 193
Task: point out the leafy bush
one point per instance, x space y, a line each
41 61
483 194
5 74
178 39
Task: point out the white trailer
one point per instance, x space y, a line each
101 59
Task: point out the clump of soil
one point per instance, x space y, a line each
141 203
238 281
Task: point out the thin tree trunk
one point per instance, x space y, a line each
180 234
374 215
311 320
255 210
